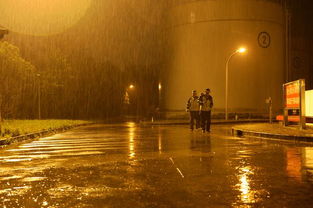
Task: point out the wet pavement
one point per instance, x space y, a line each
275 130
155 166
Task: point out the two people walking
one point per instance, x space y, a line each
200 110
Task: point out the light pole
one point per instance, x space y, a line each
131 108
39 96
159 95
240 50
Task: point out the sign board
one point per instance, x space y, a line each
294 102
309 103
264 39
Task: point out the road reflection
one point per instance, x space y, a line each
160 144
134 166
246 196
201 143
294 165
131 133
308 163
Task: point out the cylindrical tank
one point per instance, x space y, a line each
203 34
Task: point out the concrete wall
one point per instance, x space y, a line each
203 34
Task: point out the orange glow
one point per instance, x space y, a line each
131 86
41 17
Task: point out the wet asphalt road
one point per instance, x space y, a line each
168 166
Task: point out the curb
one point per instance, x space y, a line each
11 140
157 123
241 133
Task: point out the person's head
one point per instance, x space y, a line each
194 93
207 91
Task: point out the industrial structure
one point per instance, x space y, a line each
203 34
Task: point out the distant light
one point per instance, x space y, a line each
160 86
241 50
131 86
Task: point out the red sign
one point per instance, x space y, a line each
294 102
292 95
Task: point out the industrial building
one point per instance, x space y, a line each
201 37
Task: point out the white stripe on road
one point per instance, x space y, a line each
171 159
180 173
178 170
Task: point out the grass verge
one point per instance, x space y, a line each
13 128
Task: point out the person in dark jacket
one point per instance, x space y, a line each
206 105
193 107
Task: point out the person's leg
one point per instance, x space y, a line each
200 121
208 121
197 120
191 120
202 116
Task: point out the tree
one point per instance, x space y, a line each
15 73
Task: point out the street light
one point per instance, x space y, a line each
131 86
240 50
160 86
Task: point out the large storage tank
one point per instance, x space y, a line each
202 34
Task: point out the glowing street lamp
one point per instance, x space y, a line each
240 50
131 87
